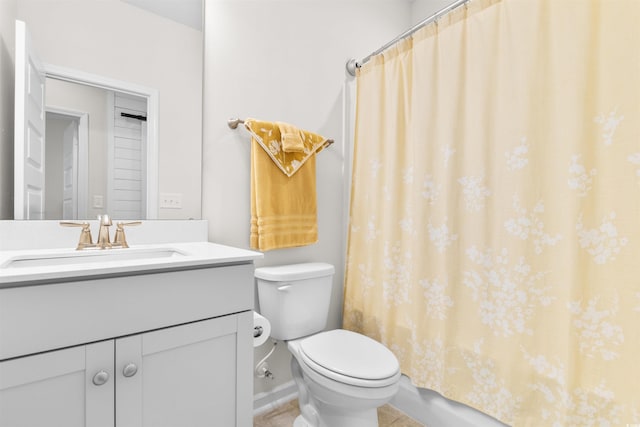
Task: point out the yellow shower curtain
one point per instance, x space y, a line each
494 241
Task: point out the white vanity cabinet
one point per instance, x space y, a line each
54 388
164 348
183 375
186 375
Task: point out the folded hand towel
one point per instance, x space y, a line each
283 205
291 138
267 134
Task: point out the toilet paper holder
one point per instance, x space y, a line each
257 331
261 329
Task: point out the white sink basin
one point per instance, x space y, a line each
56 265
90 257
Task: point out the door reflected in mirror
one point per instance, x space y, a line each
96 152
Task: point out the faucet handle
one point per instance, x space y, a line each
120 239
86 240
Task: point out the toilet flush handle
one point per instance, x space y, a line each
284 288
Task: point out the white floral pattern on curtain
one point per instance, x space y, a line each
494 240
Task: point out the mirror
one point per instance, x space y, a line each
151 56
82 143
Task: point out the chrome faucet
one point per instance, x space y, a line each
104 222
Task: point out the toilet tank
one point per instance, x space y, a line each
295 298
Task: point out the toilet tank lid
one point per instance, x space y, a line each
302 271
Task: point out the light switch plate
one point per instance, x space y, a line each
170 201
98 202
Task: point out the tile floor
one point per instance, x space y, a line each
283 416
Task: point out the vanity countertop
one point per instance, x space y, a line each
44 266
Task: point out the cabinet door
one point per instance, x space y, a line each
57 388
186 375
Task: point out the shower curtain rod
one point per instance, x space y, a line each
352 64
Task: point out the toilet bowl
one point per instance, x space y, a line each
342 376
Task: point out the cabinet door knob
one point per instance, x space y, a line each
101 378
129 370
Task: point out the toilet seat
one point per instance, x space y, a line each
350 358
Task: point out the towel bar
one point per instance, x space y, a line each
233 123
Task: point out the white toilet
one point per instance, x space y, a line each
342 376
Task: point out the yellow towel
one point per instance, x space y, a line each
290 137
283 205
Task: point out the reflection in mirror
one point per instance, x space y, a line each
95 158
97 152
154 55
174 70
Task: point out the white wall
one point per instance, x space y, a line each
7 61
422 9
117 40
284 60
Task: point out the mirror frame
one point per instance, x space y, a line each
81 77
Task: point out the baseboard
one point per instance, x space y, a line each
268 400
